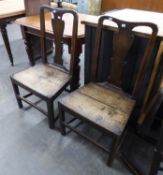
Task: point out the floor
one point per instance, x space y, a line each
28 146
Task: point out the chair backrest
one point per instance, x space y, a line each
58 26
32 7
123 39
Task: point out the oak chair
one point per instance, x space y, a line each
146 153
155 105
105 105
44 80
158 150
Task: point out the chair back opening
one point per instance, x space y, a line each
124 34
61 29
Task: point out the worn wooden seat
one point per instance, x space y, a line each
111 113
106 105
44 80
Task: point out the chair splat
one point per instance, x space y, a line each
122 42
58 28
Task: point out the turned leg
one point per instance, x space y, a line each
6 42
76 68
28 45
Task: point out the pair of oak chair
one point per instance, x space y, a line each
105 106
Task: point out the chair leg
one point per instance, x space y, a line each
17 93
114 149
155 163
50 113
62 119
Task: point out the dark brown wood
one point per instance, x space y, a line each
45 80
105 105
156 146
58 40
28 46
30 27
158 151
58 33
124 36
17 93
6 42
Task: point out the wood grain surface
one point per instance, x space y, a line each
43 78
34 22
99 105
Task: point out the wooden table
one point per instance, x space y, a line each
31 26
9 11
142 34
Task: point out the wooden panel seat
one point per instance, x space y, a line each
112 113
42 78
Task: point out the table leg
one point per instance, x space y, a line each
33 45
76 72
28 45
6 42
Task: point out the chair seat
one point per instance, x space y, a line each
44 79
108 108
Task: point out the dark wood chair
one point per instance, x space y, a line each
44 80
146 153
105 105
156 104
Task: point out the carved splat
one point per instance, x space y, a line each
122 42
58 28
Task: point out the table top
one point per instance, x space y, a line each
136 16
34 23
9 8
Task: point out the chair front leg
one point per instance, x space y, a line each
62 119
155 163
17 93
114 149
50 114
